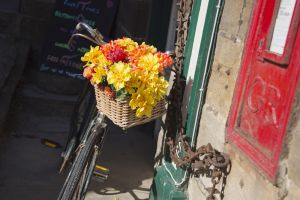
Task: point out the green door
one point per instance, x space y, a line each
169 181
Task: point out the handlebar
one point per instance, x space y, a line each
95 36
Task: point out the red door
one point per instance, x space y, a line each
266 85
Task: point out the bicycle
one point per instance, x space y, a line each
86 139
86 144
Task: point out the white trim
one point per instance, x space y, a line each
197 40
194 57
207 67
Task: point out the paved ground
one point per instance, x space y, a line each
29 170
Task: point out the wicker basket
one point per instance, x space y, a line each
120 113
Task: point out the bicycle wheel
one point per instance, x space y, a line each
88 172
84 157
90 166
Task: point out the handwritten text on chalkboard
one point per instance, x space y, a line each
57 57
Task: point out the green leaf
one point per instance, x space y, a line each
121 94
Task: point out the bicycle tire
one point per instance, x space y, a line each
75 174
88 174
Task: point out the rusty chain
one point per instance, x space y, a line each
175 98
205 160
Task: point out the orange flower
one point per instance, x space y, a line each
109 92
164 60
88 72
140 51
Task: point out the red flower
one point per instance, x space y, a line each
113 52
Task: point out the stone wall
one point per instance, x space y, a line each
291 156
22 28
227 60
28 23
245 180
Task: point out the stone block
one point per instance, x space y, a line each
227 61
220 88
212 128
245 181
194 190
294 157
294 143
228 52
235 18
294 191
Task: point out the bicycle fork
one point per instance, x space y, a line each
100 173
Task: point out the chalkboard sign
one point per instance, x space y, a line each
56 56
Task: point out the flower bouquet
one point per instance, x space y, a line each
128 79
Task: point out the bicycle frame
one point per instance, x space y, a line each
93 129
75 135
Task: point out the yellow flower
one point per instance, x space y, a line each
127 44
97 77
143 101
159 86
118 75
133 84
150 48
95 56
146 110
149 62
91 55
